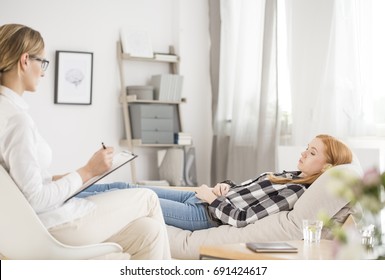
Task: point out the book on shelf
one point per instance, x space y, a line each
166 57
167 87
182 138
184 142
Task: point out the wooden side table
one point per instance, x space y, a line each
313 251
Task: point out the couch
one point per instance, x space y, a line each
285 225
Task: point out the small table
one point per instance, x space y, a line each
312 251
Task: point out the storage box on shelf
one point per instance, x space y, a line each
154 123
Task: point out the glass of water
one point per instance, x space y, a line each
312 231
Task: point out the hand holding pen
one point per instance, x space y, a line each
108 153
100 162
103 158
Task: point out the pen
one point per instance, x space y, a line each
104 147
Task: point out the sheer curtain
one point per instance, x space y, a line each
328 67
246 113
336 59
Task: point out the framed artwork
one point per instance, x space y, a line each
73 77
136 43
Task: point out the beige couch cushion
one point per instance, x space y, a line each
284 225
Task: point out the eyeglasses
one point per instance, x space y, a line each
44 62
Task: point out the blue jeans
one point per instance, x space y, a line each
98 188
181 209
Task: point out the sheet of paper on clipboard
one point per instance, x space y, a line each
118 161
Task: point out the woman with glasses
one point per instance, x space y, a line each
129 217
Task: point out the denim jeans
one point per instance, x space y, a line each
98 188
181 209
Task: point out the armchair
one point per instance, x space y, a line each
23 236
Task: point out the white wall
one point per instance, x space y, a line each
76 131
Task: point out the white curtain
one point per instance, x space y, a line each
328 62
245 123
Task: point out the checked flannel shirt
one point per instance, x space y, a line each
254 199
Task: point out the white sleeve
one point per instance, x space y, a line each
22 152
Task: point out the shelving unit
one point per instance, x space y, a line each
127 100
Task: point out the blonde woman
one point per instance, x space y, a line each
130 217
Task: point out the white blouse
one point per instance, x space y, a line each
27 156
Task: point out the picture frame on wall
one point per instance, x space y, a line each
73 77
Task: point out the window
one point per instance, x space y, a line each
352 79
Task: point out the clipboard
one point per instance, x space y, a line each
118 161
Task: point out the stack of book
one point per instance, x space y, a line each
182 138
166 57
167 87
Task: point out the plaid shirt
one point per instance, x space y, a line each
254 199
